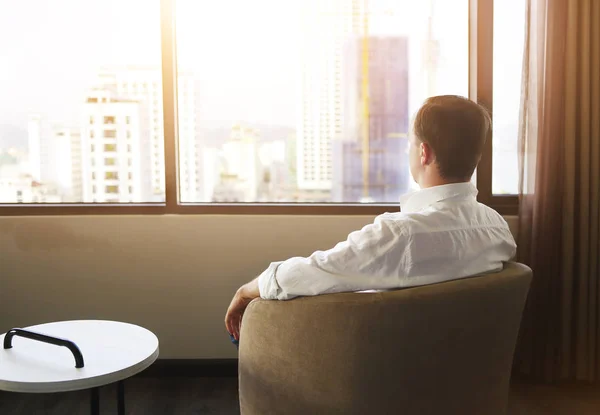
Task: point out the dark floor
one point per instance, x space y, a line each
195 396
143 396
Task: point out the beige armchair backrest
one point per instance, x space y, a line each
440 349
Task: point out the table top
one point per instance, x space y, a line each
112 351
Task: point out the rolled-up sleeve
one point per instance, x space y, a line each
267 283
367 259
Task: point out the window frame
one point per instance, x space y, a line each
481 81
481 31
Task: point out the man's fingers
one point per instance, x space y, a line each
227 322
236 327
232 324
234 332
227 325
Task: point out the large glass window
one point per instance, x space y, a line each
310 101
509 36
289 102
67 70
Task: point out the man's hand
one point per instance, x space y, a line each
244 295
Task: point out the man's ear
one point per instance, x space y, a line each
426 154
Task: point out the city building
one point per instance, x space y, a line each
370 159
212 163
54 158
66 153
239 167
143 84
274 179
34 146
325 25
19 187
76 166
40 150
111 149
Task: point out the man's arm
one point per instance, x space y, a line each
368 259
371 258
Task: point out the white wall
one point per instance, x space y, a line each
174 275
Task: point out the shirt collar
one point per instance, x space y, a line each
420 199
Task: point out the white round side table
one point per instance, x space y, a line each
93 353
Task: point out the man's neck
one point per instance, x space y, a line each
438 181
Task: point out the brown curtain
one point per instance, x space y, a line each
559 161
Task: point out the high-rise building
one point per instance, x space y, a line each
76 166
370 160
143 84
212 164
274 181
34 146
111 150
50 149
190 150
66 146
42 165
241 168
326 25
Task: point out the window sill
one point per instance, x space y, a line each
211 209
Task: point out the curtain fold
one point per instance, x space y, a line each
559 218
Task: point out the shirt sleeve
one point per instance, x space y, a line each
367 259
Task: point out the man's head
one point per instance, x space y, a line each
447 139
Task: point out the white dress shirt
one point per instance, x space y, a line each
442 233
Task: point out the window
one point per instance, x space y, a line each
509 32
111 189
295 114
85 51
111 175
300 86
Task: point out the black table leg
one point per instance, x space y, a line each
121 397
95 399
95 402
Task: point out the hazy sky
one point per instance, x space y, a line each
50 50
244 52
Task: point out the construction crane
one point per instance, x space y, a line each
431 57
365 99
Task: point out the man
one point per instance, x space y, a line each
441 233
